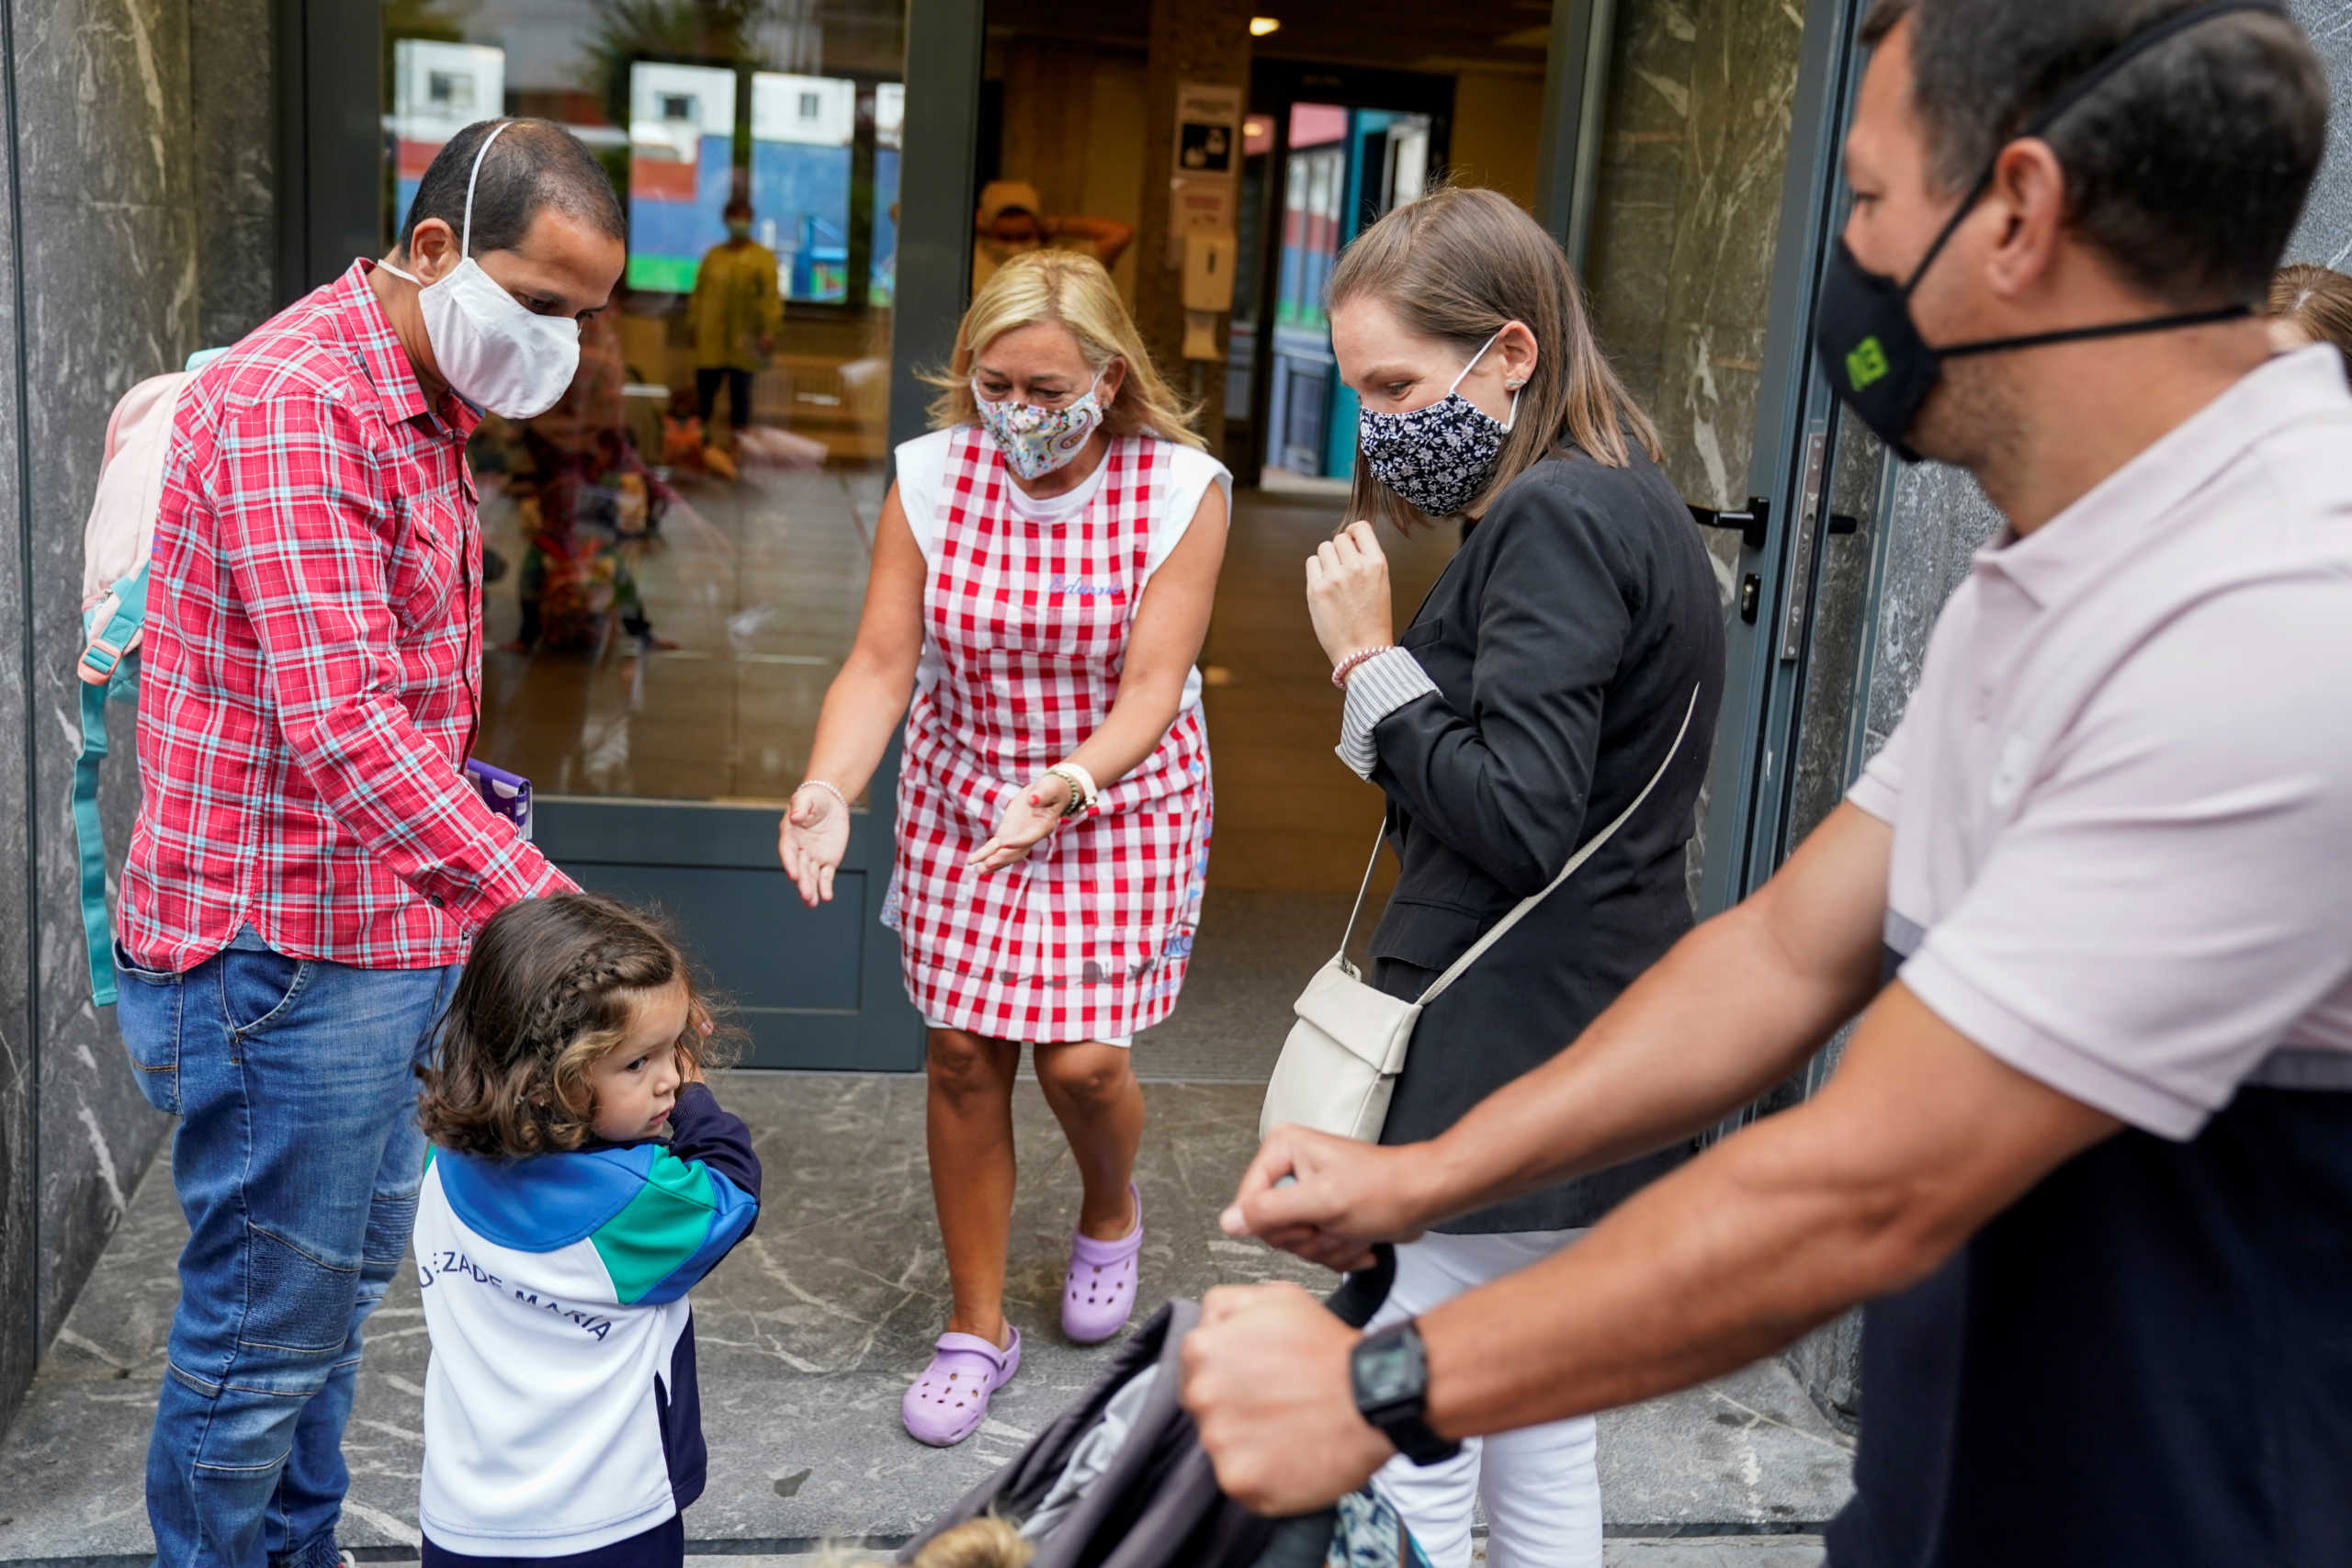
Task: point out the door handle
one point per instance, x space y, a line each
1751 524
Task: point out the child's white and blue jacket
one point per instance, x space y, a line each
561 1411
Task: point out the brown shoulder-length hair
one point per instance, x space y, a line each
551 986
1461 265
2318 300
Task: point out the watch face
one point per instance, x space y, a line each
1386 1372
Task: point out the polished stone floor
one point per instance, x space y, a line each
810 1334
1680 1552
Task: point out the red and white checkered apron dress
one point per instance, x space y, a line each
1089 937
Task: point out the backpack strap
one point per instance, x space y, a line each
97 926
112 630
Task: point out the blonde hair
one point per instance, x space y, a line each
2318 301
987 1542
1072 291
1461 265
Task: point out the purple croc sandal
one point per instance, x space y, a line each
948 1403
1100 1293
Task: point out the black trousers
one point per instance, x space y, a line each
738 394
663 1546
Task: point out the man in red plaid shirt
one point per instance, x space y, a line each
311 861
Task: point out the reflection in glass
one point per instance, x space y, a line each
681 170
889 121
438 89
801 130
674 560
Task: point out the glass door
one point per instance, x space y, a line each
1704 210
676 553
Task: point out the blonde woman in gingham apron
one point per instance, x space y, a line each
1042 582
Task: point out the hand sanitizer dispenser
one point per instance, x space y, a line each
1208 290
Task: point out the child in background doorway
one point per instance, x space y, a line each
581 1179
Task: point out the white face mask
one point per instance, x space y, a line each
494 352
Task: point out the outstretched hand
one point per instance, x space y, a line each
1030 817
810 841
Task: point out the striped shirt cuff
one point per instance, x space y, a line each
1378 687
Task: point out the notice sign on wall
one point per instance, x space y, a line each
1208 130
1208 163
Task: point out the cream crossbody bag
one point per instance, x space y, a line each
1341 1064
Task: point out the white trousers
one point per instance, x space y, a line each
1542 1486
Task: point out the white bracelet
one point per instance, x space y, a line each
828 789
1083 795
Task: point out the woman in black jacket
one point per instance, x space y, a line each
1542 685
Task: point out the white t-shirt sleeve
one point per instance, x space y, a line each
1190 475
1880 789
922 474
2168 900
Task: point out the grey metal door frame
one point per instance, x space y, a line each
330 138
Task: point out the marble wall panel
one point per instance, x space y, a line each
1685 216
19 1336
142 162
2325 235
1836 662
108 252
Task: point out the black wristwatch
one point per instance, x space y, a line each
1391 1377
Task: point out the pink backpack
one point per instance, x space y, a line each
116 545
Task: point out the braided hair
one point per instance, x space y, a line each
553 984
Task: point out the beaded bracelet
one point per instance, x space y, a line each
1347 666
828 789
1082 793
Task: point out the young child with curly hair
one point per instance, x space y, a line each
581 1179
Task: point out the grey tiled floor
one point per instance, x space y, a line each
1713 1551
810 1334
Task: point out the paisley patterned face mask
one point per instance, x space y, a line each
1437 459
1037 441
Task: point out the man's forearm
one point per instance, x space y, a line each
1865 1188
1709 1268
1721 1018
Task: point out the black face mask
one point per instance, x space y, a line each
1869 345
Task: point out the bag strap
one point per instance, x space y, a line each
1502 927
1379 837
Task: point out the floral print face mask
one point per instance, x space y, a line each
1037 441
1437 459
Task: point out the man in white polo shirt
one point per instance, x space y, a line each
2088 1153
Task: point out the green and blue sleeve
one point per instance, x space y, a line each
698 1197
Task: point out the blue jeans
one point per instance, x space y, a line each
297 1161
